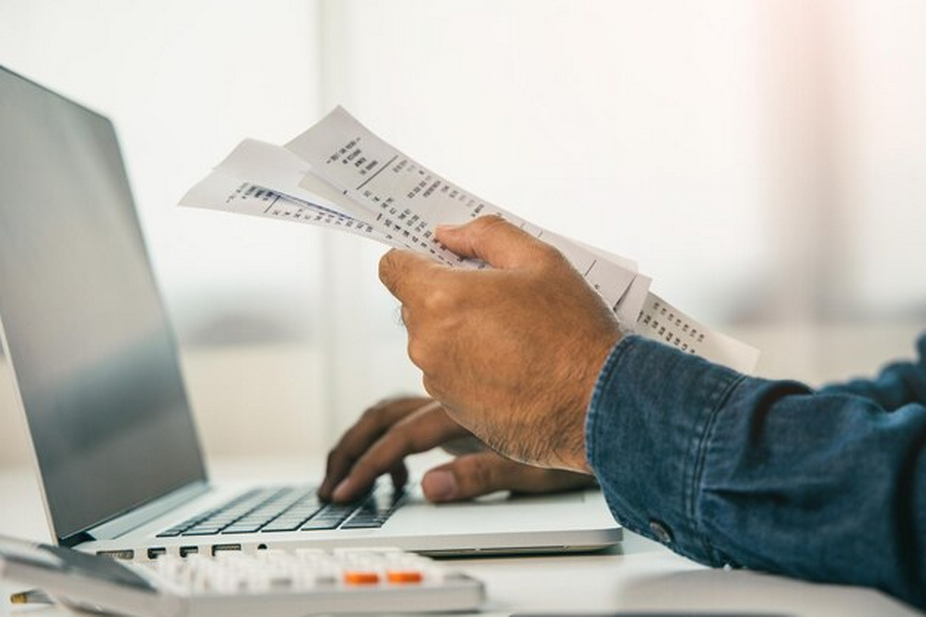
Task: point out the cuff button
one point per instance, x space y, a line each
660 531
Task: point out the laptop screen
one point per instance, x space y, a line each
85 328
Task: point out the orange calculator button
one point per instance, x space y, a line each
404 576
361 577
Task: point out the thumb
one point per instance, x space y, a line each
465 477
493 240
473 475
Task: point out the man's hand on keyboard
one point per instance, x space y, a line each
393 429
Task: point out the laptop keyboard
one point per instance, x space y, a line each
278 509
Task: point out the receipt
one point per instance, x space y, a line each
629 308
276 168
340 175
661 321
409 200
221 191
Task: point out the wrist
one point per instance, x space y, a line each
569 447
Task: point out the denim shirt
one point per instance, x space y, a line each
827 484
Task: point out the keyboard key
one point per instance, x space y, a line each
279 509
247 528
282 526
315 524
363 522
207 531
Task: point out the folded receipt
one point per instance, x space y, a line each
338 174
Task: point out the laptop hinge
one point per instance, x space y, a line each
74 539
136 517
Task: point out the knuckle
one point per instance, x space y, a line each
487 221
549 256
484 226
388 268
370 466
365 469
385 267
373 416
438 300
417 353
425 353
431 387
400 439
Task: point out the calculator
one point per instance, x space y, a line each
270 582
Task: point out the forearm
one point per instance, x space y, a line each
762 474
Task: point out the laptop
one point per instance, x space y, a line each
98 380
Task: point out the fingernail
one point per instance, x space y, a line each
445 228
439 485
342 490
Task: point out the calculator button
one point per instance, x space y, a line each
325 578
404 576
361 578
368 578
281 581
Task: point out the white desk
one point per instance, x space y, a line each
640 575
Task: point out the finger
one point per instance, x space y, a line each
423 430
493 240
372 424
479 474
401 271
399 475
470 444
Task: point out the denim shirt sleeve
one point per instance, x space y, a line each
827 485
898 384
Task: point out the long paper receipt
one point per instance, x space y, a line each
338 174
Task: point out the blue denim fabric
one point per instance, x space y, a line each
827 485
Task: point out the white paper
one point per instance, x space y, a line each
220 191
276 168
661 321
629 308
643 312
409 201
340 175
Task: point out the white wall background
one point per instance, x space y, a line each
184 82
765 161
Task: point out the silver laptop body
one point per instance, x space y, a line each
96 371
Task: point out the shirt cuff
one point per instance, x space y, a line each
648 426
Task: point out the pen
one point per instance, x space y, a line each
30 596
